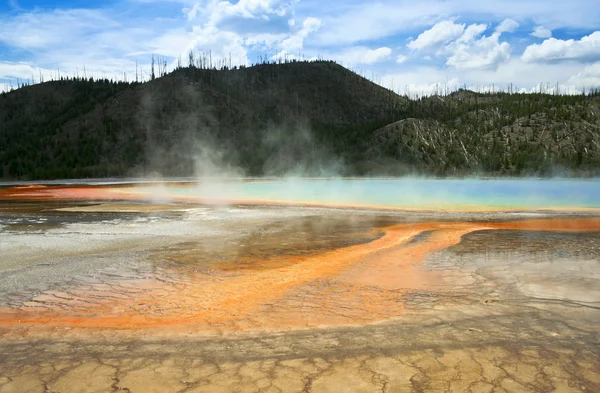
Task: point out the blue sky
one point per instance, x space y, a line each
410 46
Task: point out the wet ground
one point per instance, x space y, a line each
173 297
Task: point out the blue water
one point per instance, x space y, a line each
442 194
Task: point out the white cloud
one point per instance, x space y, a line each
588 77
225 40
221 44
216 11
13 72
172 43
441 33
413 83
484 52
252 8
229 42
71 40
471 52
376 55
108 43
264 40
585 49
541 32
40 30
471 33
22 70
110 47
363 55
571 77
295 42
352 21
507 26
464 48
192 13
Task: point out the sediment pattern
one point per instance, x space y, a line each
368 280
190 299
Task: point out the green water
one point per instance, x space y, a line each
405 193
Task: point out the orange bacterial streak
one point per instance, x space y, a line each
134 193
366 279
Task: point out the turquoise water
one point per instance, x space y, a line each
443 194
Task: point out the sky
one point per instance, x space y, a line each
412 47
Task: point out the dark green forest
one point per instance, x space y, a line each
305 118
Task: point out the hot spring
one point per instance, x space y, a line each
308 285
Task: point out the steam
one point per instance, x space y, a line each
184 137
191 142
292 152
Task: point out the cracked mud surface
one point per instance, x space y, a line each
270 299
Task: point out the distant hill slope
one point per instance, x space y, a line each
493 134
305 118
244 119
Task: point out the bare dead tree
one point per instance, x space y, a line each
191 59
152 75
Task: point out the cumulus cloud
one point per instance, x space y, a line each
376 55
350 22
216 33
541 32
250 8
441 33
109 44
479 53
264 41
192 13
589 77
507 26
464 46
585 49
363 55
471 52
471 33
401 59
222 44
295 41
218 10
515 74
422 81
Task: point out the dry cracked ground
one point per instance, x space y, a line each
181 298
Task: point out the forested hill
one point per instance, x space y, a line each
303 118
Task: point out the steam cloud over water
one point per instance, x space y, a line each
406 193
193 142
402 194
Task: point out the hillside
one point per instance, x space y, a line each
493 134
306 118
